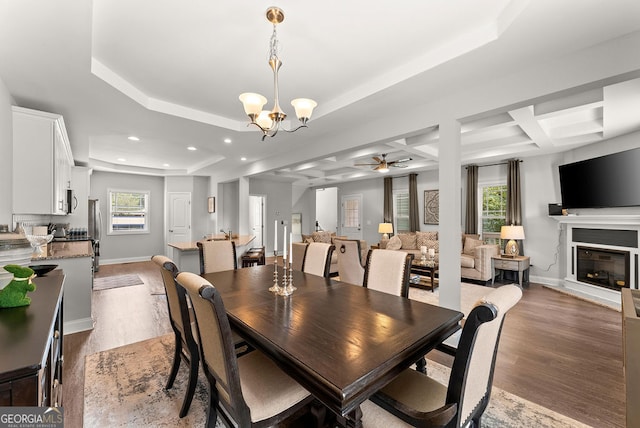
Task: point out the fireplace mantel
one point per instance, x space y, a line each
598 219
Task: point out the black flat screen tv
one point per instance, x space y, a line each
603 182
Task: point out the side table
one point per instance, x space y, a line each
518 264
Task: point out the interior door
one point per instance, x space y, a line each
352 216
179 217
257 219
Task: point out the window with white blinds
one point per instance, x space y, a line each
401 211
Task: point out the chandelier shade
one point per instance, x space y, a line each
270 122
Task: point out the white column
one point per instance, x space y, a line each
450 212
243 206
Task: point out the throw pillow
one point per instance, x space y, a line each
307 238
323 236
408 240
426 239
470 245
394 243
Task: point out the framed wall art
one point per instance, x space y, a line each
431 206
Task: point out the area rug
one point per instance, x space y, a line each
116 281
124 387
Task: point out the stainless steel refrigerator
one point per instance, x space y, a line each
95 230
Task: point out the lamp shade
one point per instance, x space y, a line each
512 232
304 107
385 228
252 103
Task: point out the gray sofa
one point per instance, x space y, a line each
475 259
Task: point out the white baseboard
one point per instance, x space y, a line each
75 326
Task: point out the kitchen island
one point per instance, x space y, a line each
185 254
75 258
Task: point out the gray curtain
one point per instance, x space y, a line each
388 200
514 197
414 209
471 215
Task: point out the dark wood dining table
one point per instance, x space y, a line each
340 341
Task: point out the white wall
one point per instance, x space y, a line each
125 248
6 148
327 208
278 207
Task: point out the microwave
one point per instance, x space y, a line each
71 201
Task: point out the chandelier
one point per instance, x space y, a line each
271 122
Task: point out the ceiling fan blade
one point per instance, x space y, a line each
398 165
377 159
365 164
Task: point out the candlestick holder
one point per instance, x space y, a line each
275 288
285 290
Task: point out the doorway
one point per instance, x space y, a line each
327 209
179 217
351 216
257 218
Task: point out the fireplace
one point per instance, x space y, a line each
603 267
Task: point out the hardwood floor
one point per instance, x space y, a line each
558 351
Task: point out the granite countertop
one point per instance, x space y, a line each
240 241
65 250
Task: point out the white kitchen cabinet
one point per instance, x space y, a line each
42 162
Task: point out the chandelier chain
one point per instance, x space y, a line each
274 44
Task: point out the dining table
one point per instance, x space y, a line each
340 341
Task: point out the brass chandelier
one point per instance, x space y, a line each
271 122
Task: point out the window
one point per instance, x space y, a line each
401 211
493 211
128 212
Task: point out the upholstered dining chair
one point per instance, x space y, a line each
216 256
317 259
247 391
350 269
388 271
186 347
418 400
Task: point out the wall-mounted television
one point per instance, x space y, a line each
603 182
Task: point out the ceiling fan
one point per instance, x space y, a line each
383 165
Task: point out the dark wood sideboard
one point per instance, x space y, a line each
31 347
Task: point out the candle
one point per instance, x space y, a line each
423 249
284 244
432 252
290 248
275 238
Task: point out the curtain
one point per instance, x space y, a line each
514 197
388 200
471 215
414 209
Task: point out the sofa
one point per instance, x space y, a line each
298 249
475 258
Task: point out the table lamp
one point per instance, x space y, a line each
511 233
385 229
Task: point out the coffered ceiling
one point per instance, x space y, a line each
523 77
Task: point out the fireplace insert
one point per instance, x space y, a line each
603 267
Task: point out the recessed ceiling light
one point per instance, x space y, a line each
191 148
133 138
165 164
243 158
227 140
122 160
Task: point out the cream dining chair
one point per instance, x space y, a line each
350 269
416 399
388 271
216 256
186 347
246 391
317 259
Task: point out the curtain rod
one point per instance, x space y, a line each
492 164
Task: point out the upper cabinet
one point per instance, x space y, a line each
42 162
